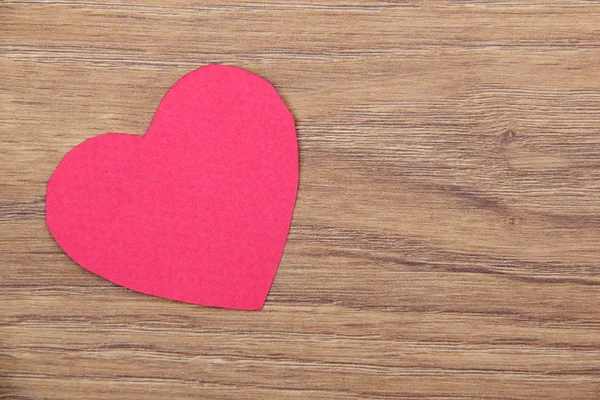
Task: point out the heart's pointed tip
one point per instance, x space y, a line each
246 303
237 307
249 303
243 306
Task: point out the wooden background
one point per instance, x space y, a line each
446 238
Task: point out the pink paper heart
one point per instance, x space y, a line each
199 208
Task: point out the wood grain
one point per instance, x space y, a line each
446 239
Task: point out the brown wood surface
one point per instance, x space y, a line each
446 238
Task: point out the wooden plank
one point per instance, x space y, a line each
446 239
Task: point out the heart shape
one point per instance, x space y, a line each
198 209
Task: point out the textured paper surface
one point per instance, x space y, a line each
197 210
